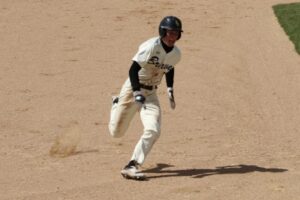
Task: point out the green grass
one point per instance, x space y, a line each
289 18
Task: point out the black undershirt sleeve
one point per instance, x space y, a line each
170 77
134 76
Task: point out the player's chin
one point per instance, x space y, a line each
171 43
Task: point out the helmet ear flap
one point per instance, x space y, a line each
162 32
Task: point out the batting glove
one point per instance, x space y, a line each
171 97
139 97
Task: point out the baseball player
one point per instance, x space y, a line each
155 58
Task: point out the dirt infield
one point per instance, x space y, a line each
233 135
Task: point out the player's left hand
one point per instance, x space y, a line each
171 98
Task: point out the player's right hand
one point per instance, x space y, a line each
171 97
139 97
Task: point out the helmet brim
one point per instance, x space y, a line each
171 29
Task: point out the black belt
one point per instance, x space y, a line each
148 87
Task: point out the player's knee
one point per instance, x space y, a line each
156 134
153 134
115 132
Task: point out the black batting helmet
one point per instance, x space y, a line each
170 23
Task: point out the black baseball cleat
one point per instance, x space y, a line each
131 171
115 99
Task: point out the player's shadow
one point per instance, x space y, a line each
161 171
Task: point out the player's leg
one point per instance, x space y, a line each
151 119
122 112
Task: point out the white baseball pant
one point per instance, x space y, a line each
123 112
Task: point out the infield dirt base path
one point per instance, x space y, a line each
233 135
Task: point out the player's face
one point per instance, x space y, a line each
171 38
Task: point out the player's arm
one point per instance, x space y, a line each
170 82
134 76
135 82
170 78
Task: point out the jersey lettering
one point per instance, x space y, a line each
154 60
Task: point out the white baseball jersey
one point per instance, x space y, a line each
154 61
